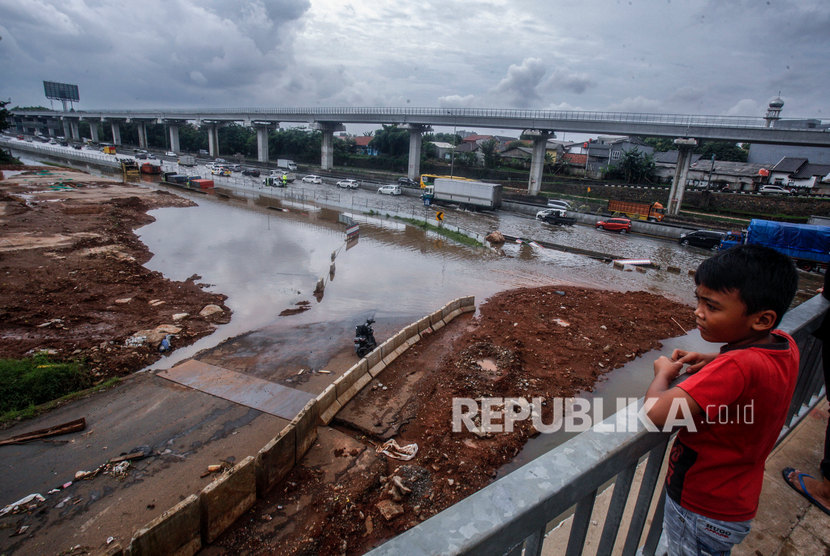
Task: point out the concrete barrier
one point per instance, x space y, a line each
227 498
373 358
176 531
275 460
201 519
305 427
327 396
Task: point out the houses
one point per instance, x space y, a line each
800 174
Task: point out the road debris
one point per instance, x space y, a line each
24 504
64 428
394 450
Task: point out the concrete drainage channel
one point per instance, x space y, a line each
200 518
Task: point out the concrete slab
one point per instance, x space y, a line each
249 391
227 498
176 531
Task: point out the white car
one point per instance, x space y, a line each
349 184
559 203
312 179
170 153
389 190
774 190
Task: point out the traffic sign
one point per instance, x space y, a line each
439 216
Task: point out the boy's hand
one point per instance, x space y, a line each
666 368
695 360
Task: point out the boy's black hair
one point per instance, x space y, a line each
763 277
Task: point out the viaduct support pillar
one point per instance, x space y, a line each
66 131
537 163
76 133
93 130
416 132
678 186
213 140
116 133
174 138
327 154
262 130
142 135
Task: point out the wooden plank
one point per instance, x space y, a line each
65 428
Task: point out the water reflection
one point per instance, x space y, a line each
268 259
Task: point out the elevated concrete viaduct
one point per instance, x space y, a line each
686 129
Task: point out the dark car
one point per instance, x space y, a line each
621 225
702 238
406 182
250 172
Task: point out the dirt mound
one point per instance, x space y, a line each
343 497
73 282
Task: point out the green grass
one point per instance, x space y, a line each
28 383
455 236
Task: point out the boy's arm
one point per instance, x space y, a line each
660 390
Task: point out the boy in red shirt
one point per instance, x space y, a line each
738 399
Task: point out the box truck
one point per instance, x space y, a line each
467 193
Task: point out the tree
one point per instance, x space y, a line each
723 150
4 115
634 167
5 158
489 150
660 144
391 141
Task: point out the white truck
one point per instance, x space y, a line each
472 194
187 160
286 164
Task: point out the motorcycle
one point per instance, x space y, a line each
364 338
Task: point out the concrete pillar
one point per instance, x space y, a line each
415 141
66 131
93 129
116 132
262 143
327 154
142 135
76 133
327 148
174 138
678 186
537 163
213 140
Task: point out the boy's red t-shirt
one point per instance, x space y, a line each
745 392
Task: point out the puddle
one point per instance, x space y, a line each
488 365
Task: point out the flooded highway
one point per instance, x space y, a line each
267 261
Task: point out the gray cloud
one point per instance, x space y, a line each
686 57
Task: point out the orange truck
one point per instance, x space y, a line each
653 212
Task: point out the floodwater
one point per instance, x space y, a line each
267 261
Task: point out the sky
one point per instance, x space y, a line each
720 57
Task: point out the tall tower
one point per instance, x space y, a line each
774 110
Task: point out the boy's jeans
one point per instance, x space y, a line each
691 534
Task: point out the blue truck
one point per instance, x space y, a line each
807 244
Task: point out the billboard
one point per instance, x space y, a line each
61 91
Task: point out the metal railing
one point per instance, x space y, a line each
513 514
58 152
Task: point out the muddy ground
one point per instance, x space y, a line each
344 497
71 276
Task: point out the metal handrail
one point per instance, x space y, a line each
512 514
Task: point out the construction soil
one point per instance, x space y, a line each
345 498
72 282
